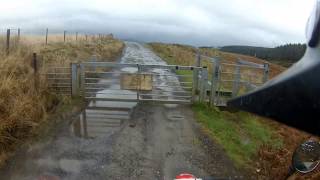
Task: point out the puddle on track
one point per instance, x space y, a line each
103 118
93 123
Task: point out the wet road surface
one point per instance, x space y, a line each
123 140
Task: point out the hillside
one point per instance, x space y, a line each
185 55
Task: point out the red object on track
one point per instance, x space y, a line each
185 176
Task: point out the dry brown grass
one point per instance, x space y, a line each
23 107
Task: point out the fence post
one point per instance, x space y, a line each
198 64
47 31
204 82
139 82
82 80
266 72
74 80
18 35
76 36
64 36
8 42
236 81
35 71
214 80
194 86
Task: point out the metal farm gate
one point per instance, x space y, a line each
158 83
103 81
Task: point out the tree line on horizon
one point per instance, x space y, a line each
284 53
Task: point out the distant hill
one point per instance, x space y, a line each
284 54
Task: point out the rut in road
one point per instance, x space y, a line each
144 141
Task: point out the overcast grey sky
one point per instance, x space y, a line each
197 22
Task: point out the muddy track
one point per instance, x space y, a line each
149 142
162 142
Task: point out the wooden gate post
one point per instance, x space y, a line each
214 80
266 72
8 42
236 80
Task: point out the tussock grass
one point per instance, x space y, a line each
23 108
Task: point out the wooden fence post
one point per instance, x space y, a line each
64 36
35 71
76 36
47 31
8 42
18 34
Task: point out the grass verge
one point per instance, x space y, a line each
23 108
241 134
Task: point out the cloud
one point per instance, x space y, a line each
201 22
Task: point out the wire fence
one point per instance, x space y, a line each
11 38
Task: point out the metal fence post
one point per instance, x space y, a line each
8 42
139 82
74 80
236 81
82 80
198 64
194 83
204 82
266 72
214 81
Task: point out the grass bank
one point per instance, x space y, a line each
22 107
259 146
240 133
